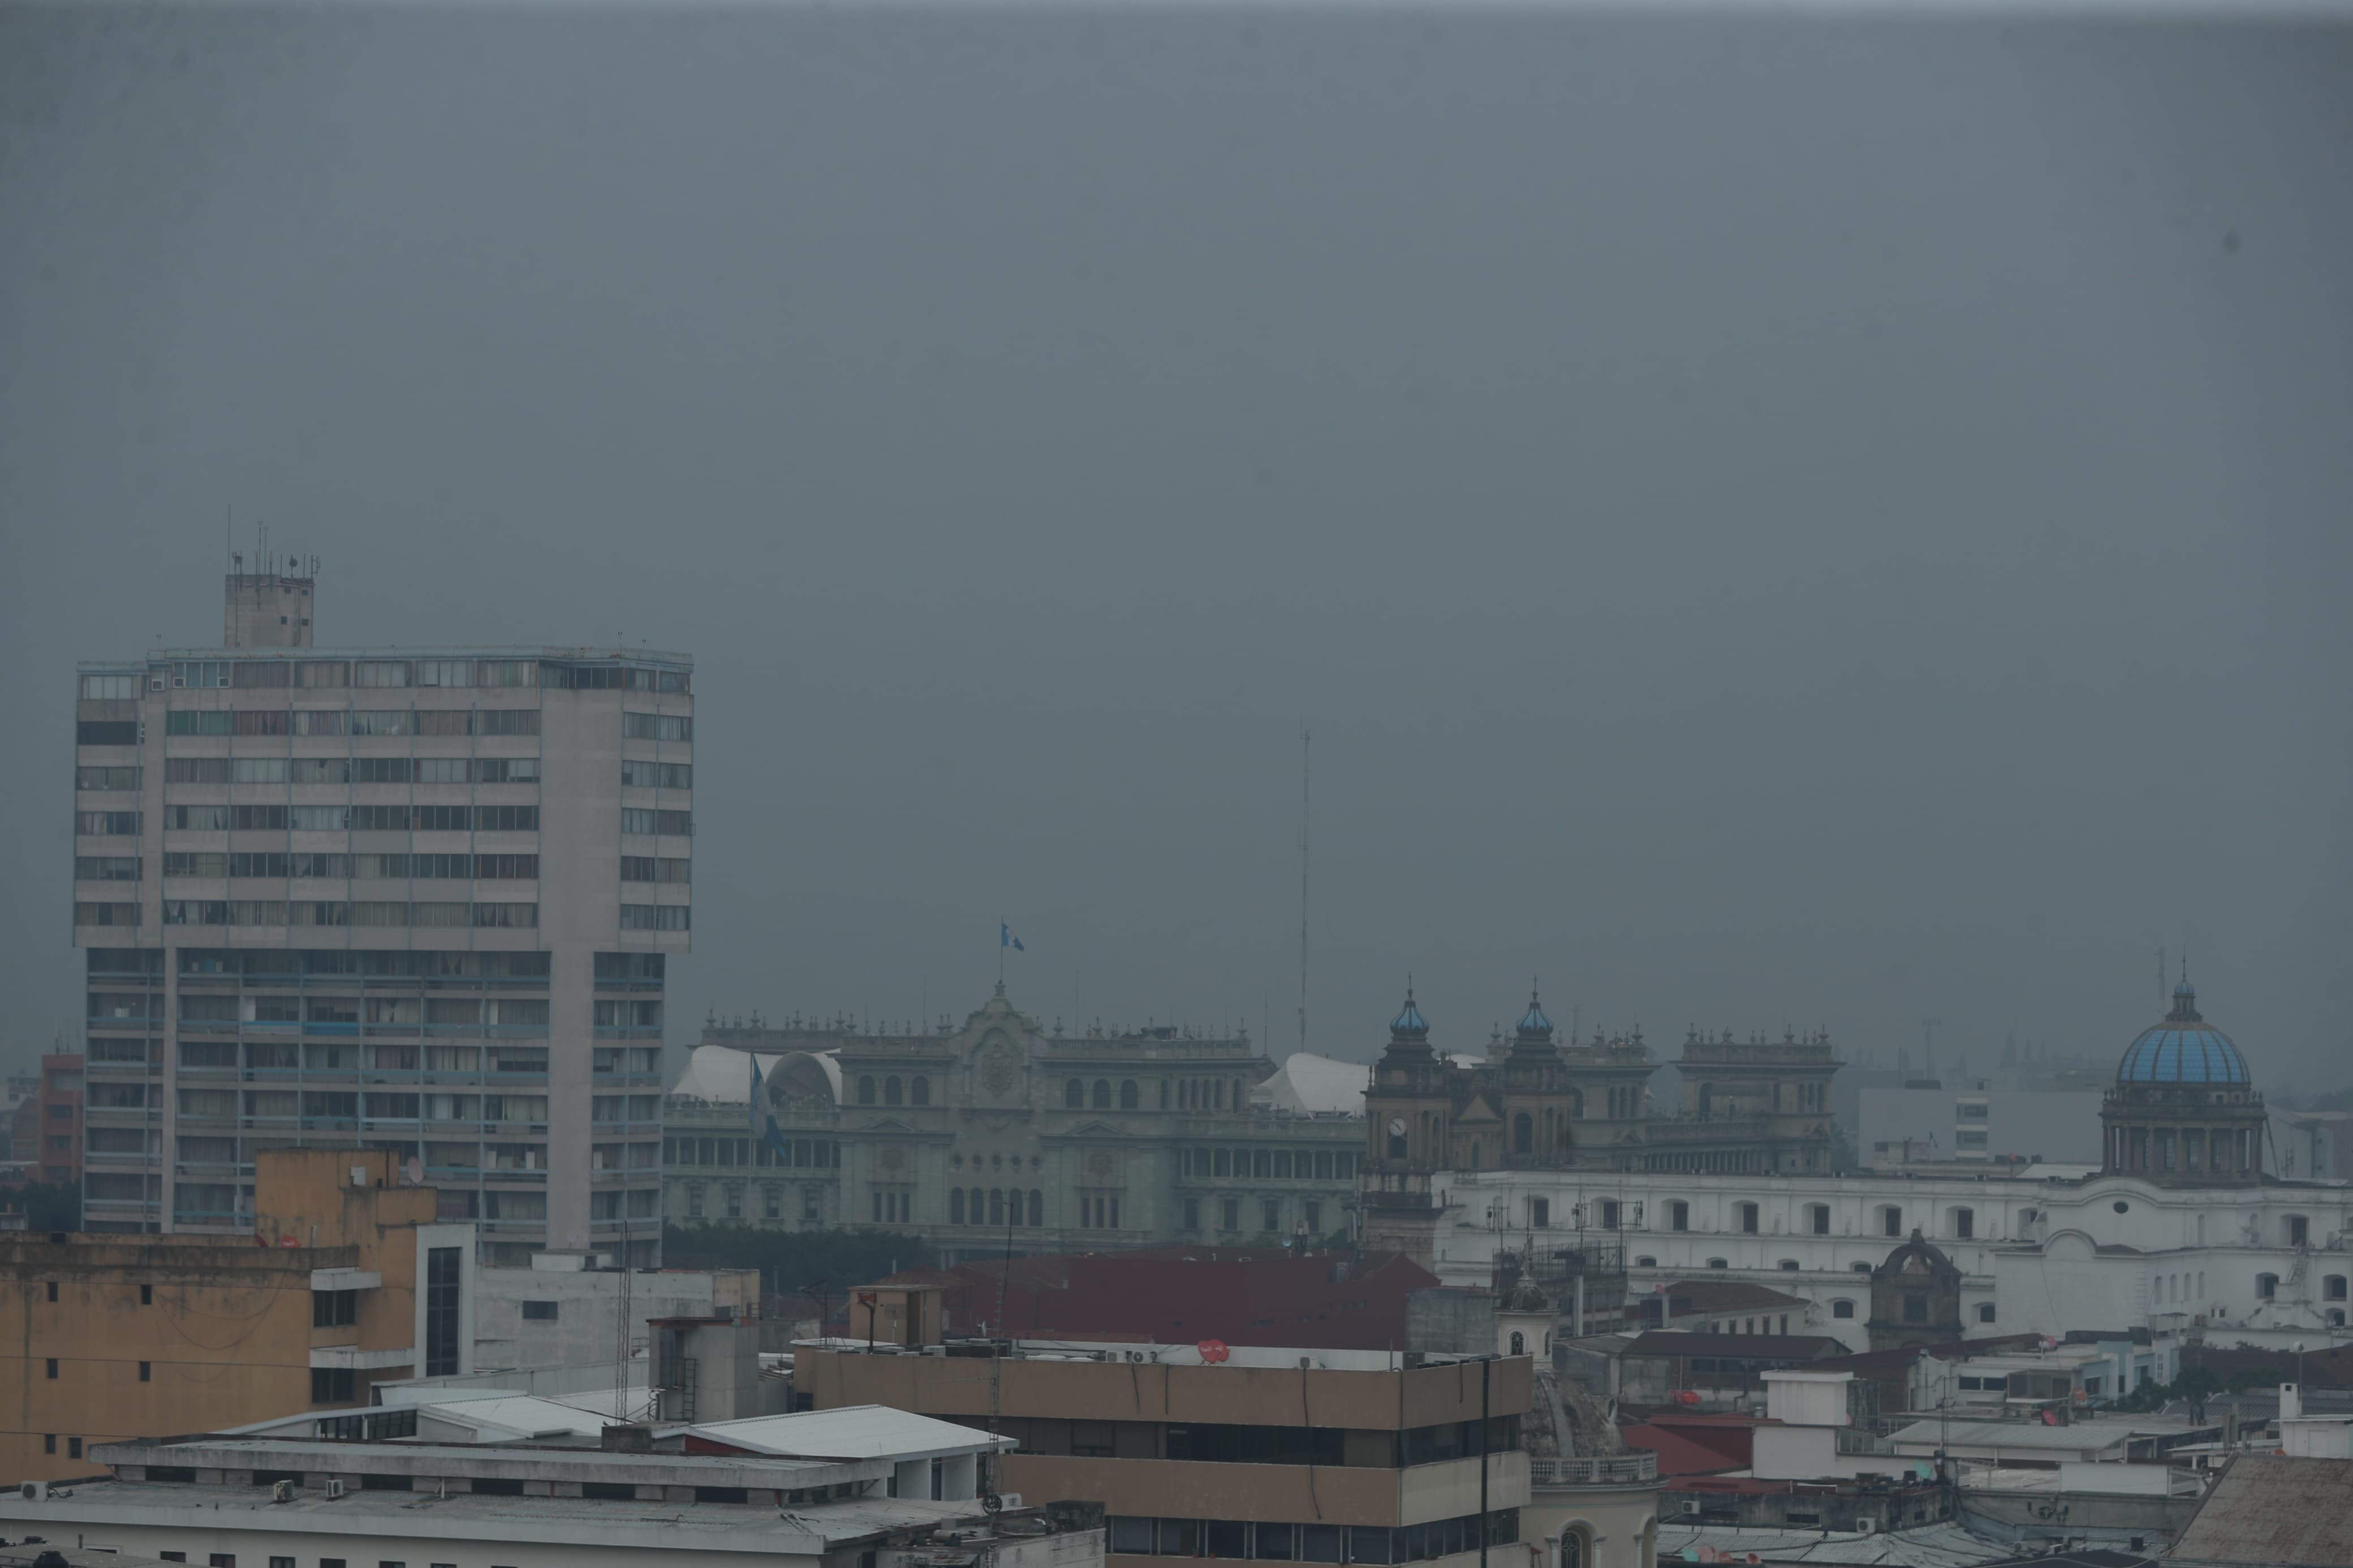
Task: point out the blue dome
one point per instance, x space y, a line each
1533 1023
1410 1021
2185 1048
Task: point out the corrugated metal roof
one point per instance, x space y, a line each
853 1432
1928 1546
2268 1507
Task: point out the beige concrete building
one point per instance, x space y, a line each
412 899
346 1278
1293 1455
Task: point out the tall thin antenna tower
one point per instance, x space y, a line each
621 1336
1302 885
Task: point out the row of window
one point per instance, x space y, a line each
1270 1216
916 1090
1261 1164
493 1159
657 727
334 912
999 1207
772 1203
803 1153
1269 1543
347 1056
657 775
503 1012
647 868
1190 1094
287 966
345 1105
278 864
336 771
356 721
654 917
642 820
319 819
328 674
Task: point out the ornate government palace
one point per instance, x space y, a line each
1001 1132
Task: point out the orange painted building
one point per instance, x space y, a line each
348 1280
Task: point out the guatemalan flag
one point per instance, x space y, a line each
764 1125
1004 938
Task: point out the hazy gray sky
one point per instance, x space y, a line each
1825 523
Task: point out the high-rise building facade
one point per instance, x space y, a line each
411 899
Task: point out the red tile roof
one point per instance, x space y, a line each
1177 1295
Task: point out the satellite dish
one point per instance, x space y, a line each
413 1172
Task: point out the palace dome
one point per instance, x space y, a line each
2184 1048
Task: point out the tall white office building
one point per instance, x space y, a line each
401 899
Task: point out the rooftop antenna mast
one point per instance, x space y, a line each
1302 883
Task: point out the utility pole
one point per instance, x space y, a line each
1302 884
1486 1366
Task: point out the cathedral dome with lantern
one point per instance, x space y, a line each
2184 1112
2183 1048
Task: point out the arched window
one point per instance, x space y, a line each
1037 1208
1519 1342
1396 1145
1474 1154
1128 1099
1787 1266
1164 1094
1842 1309
1576 1108
1646 1263
1707 1100
1717 1263
891 1090
978 1199
1523 1133
1219 1094
919 1091
1074 1095
996 1206
1103 1094
866 1090
956 1206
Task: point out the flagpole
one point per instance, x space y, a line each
1002 940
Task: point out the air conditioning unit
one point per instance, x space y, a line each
34 1491
1137 1356
334 1487
281 1491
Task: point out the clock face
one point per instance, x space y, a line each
1397 1126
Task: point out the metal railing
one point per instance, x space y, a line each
1631 1468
